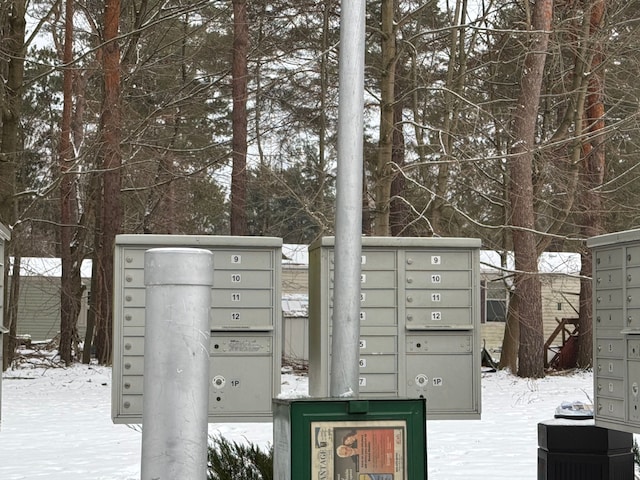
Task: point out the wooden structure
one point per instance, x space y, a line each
564 355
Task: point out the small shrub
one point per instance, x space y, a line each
237 461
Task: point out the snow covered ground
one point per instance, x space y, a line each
56 425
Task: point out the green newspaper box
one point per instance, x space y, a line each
350 439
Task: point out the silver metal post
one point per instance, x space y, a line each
348 243
176 365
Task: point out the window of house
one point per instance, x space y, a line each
494 298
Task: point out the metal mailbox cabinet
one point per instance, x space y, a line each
245 324
419 322
616 326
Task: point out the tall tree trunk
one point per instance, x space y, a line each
70 279
456 70
11 91
593 164
383 174
527 283
399 211
239 80
110 212
11 311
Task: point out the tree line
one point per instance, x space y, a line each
510 121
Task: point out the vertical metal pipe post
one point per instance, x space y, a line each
348 244
176 365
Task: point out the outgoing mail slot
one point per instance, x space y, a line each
438 343
240 345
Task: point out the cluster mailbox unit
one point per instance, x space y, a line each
616 320
419 321
245 324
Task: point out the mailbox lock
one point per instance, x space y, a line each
634 389
422 380
218 381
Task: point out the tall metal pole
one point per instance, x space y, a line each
176 365
348 243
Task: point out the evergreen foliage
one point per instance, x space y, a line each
234 461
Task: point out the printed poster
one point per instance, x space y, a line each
374 450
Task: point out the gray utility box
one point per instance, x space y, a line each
5 235
616 320
245 324
419 321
